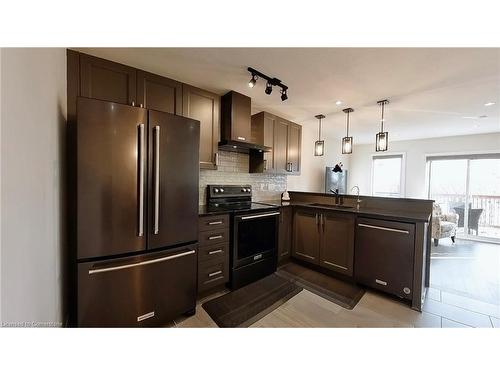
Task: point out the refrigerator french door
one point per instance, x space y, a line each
137 214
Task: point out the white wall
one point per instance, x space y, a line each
416 152
312 177
33 103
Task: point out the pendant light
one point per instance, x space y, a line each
382 138
319 145
347 141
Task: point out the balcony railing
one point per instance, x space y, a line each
490 217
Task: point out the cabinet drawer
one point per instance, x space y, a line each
213 222
207 253
137 291
212 274
211 237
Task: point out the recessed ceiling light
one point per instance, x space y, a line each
489 104
338 102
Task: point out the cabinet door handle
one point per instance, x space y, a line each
317 219
216 159
214 274
215 222
215 237
322 222
141 168
335 265
215 252
156 225
381 282
304 255
384 228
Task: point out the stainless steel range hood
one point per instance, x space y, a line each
236 131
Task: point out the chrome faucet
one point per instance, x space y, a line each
358 201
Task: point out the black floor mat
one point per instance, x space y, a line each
243 307
337 291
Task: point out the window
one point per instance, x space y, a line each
388 175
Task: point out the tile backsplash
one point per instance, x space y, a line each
233 170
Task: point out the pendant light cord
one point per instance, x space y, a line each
382 119
347 124
319 135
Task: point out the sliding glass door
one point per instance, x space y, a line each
469 186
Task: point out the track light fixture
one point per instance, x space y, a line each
382 138
252 81
269 88
284 95
270 83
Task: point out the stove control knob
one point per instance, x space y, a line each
243 190
221 190
216 190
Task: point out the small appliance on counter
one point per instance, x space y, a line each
285 196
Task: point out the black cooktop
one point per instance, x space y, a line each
248 206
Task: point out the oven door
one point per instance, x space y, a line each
255 237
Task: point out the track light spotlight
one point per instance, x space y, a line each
253 81
284 95
269 88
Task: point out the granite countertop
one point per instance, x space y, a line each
363 211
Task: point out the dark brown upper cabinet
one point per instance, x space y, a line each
236 110
294 142
284 137
107 80
159 93
337 242
204 106
263 128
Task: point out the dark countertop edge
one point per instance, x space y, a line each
202 211
362 196
391 215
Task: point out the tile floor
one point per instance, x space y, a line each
441 309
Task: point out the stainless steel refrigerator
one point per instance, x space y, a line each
137 214
335 180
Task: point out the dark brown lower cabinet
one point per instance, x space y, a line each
384 255
306 235
285 234
337 242
137 291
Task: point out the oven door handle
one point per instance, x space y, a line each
259 215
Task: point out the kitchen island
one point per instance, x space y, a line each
384 243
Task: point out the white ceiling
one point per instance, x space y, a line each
430 89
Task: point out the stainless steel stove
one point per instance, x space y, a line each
254 232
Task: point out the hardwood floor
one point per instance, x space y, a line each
308 310
469 268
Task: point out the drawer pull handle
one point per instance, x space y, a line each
381 282
214 274
335 265
215 252
146 316
143 263
215 223
215 237
284 253
304 255
384 228
242 138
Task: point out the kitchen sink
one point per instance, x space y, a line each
326 205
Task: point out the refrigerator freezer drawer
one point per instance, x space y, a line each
137 291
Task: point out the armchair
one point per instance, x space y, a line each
443 225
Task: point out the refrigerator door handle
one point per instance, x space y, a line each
143 263
141 168
156 225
